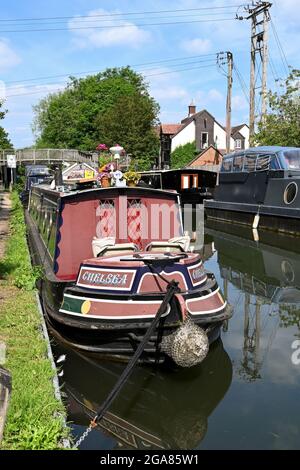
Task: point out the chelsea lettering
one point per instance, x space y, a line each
104 279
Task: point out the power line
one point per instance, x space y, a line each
151 68
169 23
121 14
145 75
242 83
281 50
78 21
120 66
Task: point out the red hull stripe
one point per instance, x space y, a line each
207 304
127 310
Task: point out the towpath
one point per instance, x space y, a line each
5 205
5 379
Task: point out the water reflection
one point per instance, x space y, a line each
245 395
267 277
157 409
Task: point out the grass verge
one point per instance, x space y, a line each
35 416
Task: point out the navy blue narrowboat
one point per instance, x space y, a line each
259 187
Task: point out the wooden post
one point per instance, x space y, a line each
264 65
252 80
228 101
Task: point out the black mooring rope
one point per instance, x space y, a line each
172 288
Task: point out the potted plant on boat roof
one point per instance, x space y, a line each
105 174
132 178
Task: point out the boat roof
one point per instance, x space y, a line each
120 190
172 170
261 149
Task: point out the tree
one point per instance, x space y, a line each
5 142
183 155
281 125
89 110
130 121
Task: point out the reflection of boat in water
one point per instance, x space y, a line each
156 409
266 271
267 278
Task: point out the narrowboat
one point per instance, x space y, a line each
109 255
34 174
193 185
259 187
152 413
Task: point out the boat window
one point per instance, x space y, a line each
238 163
227 165
250 162
107 218
263 162
274 164
189 181
292 158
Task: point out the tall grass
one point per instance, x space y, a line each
35 417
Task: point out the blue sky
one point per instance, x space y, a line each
27 55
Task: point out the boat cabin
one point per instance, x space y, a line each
34 174
260 175
192 184
75 226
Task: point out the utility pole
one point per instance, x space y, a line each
264 64
222 59
228 101
260 16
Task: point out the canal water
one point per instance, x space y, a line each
245 395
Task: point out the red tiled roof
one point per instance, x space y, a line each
170 128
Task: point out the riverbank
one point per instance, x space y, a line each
35 418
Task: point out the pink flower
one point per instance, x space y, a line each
101 147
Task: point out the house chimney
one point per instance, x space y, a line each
192 109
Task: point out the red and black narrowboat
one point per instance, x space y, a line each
109 255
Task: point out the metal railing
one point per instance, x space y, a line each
48 156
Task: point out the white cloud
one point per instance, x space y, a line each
239 102
127 35
215 95
169 92
8 57
196 45
19 101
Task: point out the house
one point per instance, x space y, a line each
201 127
210 157
165 133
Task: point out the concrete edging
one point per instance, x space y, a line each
55 381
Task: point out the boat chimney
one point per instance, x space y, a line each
58 176
192 109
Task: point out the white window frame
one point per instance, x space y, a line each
206 145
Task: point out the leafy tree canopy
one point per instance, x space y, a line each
281 125
111 107
5 142
183 155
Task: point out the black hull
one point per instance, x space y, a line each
280 219
118 345
119 339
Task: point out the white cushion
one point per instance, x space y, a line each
99 244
